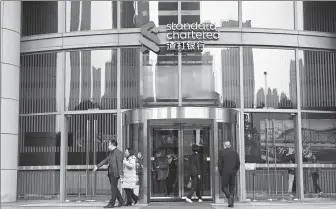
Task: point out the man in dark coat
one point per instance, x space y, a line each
114 172
228 165
195 172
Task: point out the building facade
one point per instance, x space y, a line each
74 75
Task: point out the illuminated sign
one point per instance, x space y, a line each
190 36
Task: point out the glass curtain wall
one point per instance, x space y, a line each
271 124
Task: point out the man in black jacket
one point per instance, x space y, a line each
228 165
114 172
195 174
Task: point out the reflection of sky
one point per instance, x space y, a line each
269 14
218 11
277 63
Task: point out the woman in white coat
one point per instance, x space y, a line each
130 179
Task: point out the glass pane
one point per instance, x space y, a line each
271 69
270 145
39 17
227 132
269 136
134 14
319 181
88 137
318 80
220 13
317 16
200 137
164 163
160 78
91 80
39 145
135 142
318 138
91 15
318 143
130 78
211 78
263 14
38 87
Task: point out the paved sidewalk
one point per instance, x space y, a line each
178 205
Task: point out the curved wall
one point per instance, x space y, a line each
10 69
66 57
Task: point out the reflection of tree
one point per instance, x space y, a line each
252 141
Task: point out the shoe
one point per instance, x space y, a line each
200 200
136 201
189 200
121 204
109 206
230 201
128 204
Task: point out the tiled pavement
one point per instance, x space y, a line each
178 205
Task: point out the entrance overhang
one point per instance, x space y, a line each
224 115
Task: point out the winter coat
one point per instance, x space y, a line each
130 178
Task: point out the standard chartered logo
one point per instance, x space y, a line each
149 38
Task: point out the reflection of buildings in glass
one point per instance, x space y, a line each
141 9
260 98
292 82
81 14
230 76
318 16
80 83
130 78
96 88
109 99
249 78
317 80
272 98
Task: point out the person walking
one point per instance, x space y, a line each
114 172
315 176
228 165
195 174
130 177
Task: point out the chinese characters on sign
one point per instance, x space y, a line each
190 37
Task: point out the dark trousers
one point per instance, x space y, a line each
228 184
114 190
130 195
315 178
195 187
170 180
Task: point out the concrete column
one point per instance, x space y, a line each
10 78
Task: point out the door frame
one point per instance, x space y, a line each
180 127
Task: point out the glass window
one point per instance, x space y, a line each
270 138
160 78
271 69
134 14
318 138
130 78
91 80
39 17
267 14
317 16
39 140
82 130
211 77
91 15
38 87
317 80
220 13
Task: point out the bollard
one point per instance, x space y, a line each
79 186
253 186
282 187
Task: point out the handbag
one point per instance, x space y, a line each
189 184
